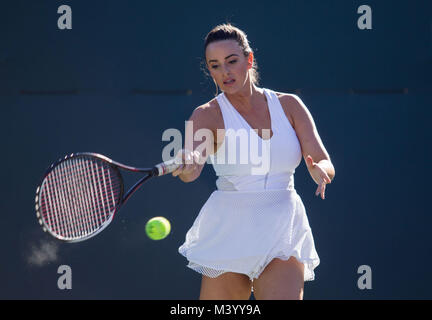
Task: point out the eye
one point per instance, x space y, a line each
233 61
214 66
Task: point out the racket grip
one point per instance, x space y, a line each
167 167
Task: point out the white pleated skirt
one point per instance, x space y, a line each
243 231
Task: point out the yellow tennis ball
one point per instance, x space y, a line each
158 228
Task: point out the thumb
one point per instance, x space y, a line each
309 160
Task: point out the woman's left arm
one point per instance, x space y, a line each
314 153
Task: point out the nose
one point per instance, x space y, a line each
226 69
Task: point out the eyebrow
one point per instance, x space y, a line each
225 57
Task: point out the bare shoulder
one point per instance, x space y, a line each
299 113
208 115
289 100
292 105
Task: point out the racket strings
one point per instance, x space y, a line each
83 198
79 196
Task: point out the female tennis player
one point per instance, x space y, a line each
252 234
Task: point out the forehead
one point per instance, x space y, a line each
221 49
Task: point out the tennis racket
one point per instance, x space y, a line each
80 194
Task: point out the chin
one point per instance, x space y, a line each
230 89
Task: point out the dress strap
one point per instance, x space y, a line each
276 110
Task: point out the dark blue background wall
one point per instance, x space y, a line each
369 91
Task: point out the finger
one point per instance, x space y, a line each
197 157
180 154
178 171
323 190
327 178
179 158
318 190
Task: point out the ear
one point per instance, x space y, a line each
250 60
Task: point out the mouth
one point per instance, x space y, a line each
229 82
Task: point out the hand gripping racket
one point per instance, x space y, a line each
80 194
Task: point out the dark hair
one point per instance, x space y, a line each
227 31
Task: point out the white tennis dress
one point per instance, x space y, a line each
255 215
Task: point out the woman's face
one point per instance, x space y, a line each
227 65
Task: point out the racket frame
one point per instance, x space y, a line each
123 198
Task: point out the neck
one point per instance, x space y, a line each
244 99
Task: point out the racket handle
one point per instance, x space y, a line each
167 167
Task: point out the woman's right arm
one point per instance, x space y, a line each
199 143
